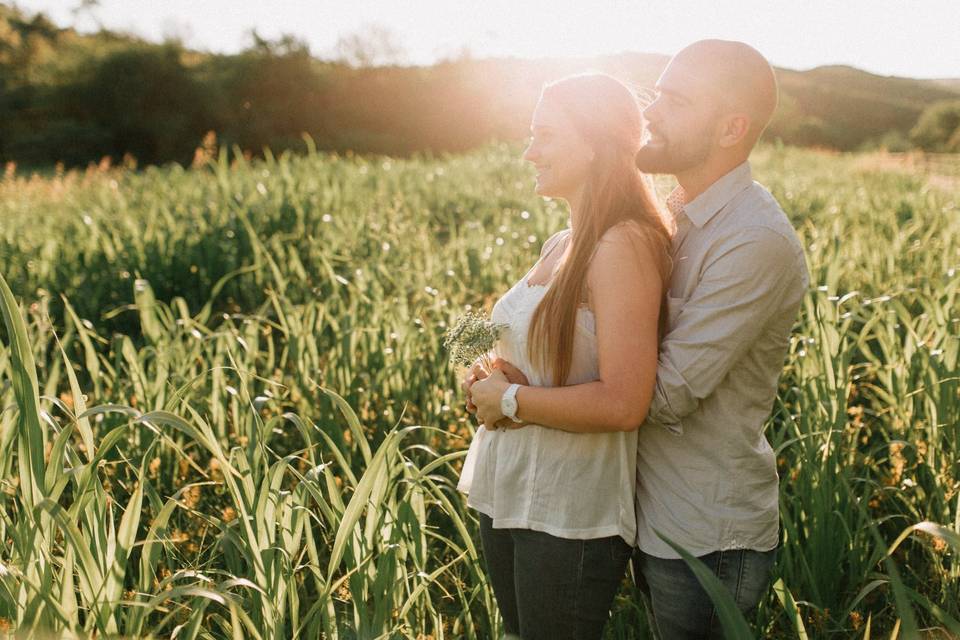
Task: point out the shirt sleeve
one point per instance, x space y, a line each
750 278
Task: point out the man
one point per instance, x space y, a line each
706 475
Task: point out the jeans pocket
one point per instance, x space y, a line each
746 574
754 577
620 551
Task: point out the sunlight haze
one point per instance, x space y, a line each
915 39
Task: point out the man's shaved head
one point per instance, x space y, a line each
737 74
713 102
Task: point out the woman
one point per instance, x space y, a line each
556 505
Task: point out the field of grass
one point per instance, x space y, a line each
225 411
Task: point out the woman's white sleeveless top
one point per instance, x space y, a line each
570 485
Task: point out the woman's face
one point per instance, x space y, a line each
560 155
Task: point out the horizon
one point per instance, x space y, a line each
887 39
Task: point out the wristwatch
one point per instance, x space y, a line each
508 403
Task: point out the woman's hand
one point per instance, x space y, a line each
476 372
486 395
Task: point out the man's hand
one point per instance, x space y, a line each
507 423
514 375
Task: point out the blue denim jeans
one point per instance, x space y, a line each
550 587
678 606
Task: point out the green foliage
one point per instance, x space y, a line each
266 96
939 127
843 108
149 101
893 141
241 421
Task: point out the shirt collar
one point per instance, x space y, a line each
715 198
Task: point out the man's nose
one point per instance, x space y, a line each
530 154
652 112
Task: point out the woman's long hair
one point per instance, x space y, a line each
606 114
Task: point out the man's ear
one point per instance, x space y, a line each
734 130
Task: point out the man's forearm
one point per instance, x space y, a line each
725 315
672 399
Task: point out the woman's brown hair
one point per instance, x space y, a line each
607 116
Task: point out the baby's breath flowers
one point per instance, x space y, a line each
472 337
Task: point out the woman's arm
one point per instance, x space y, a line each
625 286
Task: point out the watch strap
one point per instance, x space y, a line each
511 393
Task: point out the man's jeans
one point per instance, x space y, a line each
550 587
680 609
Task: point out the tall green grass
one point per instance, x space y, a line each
225 411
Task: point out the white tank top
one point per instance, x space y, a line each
570 485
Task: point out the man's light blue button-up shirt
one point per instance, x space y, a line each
706 475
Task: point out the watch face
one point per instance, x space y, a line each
508 406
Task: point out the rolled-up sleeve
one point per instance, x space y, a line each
748 279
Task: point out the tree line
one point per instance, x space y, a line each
73 98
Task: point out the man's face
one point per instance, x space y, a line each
682 120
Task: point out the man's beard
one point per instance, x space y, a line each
668 159
673 156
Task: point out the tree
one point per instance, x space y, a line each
268 95
148 100
372 46
287 45
89 9
938 128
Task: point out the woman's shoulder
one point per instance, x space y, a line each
621 242
625 245
625 231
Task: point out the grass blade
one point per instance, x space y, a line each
732 620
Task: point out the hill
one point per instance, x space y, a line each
844 107
950 83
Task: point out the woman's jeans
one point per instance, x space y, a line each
550 587
678 606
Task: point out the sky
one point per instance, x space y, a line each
912 38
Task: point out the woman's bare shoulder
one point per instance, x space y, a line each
626 247
626 231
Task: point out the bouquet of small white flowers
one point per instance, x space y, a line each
472 337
